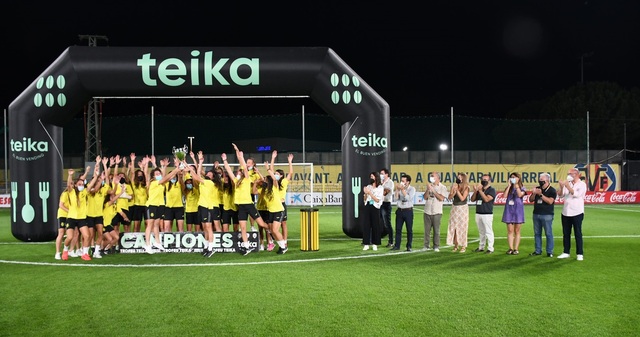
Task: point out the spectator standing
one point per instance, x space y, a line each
404 195
371 227
459 217
433 200
513 214
385 209
543 198
573 192
484 196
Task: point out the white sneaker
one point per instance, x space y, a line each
159 246
261 247
580 258
436 250
72 253
366 247
97 255
148 249
57 256
79 252
428 249
375 247
563 256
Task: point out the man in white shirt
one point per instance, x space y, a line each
433 200
572 191
404 195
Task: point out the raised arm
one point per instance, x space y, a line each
243 163
226 166
290 159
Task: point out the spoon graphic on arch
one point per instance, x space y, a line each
28 212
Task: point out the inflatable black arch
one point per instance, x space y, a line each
37 116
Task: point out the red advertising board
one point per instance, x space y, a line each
592 197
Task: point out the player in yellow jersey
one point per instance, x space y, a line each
242 198
275 207
154 202
109 237
63 209
208 203
192 196
263 209
77 214
174 208
283 184
95 200
229 208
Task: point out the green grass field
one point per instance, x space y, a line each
338 290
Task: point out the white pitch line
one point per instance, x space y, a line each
614 209
233 264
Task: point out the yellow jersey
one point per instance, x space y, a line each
192 198
242 194
156 194
64 197
95 201
173 195
140 195
77 205
282 191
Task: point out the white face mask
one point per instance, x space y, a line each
512 180
569 178
238 177
382 177
277 177
432 180
80 188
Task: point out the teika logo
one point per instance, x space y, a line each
28 145
370 140
173 72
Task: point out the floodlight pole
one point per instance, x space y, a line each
588 154
452 169
153 146
6 177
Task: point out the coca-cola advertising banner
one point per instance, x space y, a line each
617 197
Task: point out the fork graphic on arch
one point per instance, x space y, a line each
355 189
43 189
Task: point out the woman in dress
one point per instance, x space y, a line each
459 217
513 214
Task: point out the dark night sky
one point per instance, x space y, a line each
484 58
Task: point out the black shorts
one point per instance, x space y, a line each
208 214
138 213
62 223
92 221
108 228
247 210
265 215
154 212
276 216
191 218
171 213
76 223
229 216
284 217
119 219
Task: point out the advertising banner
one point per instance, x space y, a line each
187 242
599 177
334 198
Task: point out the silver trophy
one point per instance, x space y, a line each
180 153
